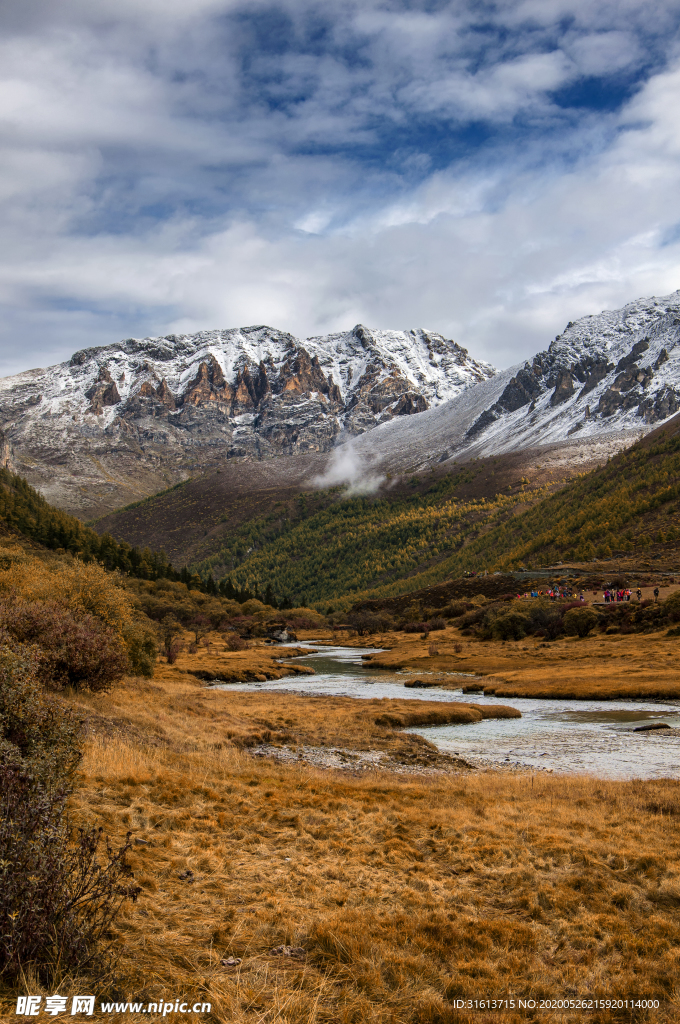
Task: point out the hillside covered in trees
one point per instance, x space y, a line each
345 550
25 511
329 548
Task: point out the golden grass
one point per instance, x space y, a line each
213 660
406 893
604 667
176 710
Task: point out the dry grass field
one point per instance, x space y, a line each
287 894
603 667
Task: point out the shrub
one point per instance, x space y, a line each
580 621
88 592
473 618
671 607
546 618
171 638
363 622
36 732
302 612
618 583
81 587
56 897
141 648
415 627
57 900
304 622
231 609
234 642
82 653
437 623
455 609
511 626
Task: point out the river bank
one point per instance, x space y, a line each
639 665
597 667
634 738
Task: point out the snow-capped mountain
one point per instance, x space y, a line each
116 423
616 375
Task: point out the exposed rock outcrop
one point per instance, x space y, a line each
133 417
564 388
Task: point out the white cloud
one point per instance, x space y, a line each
159 175
350 470
605 52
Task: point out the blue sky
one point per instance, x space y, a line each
486 169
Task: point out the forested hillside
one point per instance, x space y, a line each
332 548
24 510
628 506
341 551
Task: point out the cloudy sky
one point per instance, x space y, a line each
489 170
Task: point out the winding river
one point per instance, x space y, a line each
595 737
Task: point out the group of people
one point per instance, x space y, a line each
614 596
611 596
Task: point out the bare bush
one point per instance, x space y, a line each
83 653
58 892
234 642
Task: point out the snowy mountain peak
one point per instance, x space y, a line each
180 403
617 370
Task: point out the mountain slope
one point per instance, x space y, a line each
630 505
120 422
614 375
322 547
359 549
25 512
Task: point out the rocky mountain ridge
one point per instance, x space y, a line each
603 366
604 382
118 422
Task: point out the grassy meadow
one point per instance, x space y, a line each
399 895
570 668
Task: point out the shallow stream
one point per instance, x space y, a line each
592 736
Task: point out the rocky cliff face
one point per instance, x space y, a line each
598 387
617 371
117 423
